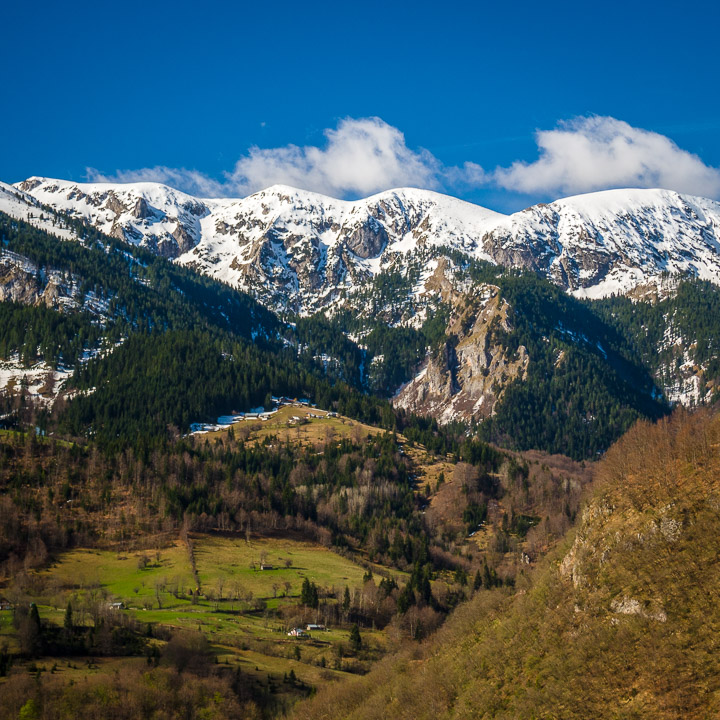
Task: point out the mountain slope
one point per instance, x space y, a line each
537 367
465 379
22 206
164 220
609 242
301 251
622 622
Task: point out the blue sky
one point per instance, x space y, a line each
220 98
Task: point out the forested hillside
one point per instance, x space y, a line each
674 335
620 622
584 386
154 345
136 289
172 347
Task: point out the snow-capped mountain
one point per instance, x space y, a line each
20 205
302 251
155 216
609 242
397 257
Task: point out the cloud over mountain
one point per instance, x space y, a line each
367 155
597 153
360 157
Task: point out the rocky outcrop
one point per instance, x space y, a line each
368 239
468 376
18 285
184 241
114 205
21 282
141 209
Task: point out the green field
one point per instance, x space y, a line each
244 611
228 568
230 563
118 576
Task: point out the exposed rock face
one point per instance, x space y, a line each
468 377
183 240
21 282
114 205
141 209
368 240
17 285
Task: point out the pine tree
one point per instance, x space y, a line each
355 639
309 595
68 620
405 599
477 584
487 577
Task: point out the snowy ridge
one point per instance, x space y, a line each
609 242
302 251
20 205
155 216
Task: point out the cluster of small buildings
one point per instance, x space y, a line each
261 415
283 401
305 632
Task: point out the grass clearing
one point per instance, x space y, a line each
132 577
228 568
315 431
229 564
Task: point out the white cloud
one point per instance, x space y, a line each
189 181
360 157
366 155
597 153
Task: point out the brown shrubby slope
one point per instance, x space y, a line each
621 621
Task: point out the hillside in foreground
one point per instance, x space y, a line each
178 579
621 622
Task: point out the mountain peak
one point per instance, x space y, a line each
300 250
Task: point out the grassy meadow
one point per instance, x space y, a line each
244 612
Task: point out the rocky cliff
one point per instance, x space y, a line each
467 376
